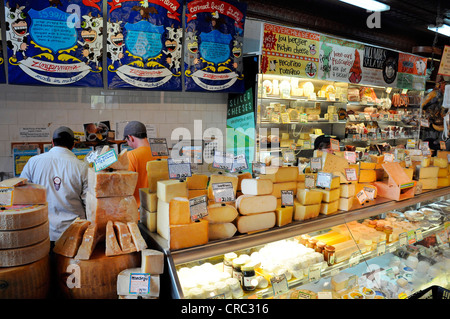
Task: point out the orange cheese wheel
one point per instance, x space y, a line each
23 216
23 237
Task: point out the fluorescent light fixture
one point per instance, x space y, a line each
444 29
370 5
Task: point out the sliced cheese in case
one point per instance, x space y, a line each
329 195
255 186
221 230
255 222
284 215
309 196
221 213
282 174
157 170
166 190
329 208
29 194
188 235
148 199
197 181
286 186
111 183
304 212
251 204
348 190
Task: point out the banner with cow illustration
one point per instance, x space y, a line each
144 44
214 33
54 42
2 61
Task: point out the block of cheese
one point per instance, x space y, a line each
197 193
24 255
162 219
440 162
333 163
157 170
122 162
221 213
251 204
221 231
345 203
348 190
377 158
361 186
286 186
112 247
367 165
443 172
29 194
197 181
179 212
69 241
329 195
255 222
309 196
124 283
429 183
253 186
152 262
148 199
426 161
23 216
222 178
427 172
111 183
166 190
443 182
13 182
329 208
118 208
302 177
23 237
188 235
241 177
124 237
335 182
88 243
136 236
409 172
282 174
148 219
284 215
304 212
367 176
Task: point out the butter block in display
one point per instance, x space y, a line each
197 181
221 231
157 170
282 174
250 204
148 199
284 215
256 186
329 208
29 194
188 235
304 212
329 195
221 213
255 222
309 196
285 186
110 184
169 189
152 262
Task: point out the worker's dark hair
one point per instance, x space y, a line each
64 139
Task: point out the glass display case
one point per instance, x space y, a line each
381 249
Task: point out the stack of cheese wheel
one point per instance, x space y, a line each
428 175
347 196
308 203
330 199
240 177
24 242
256 207
173 219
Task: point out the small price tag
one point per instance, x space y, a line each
179 169
370 192
285 118
324 179
411 236
158 146
403 239
198 207
334 144
388 157
105 160
223 161
139 283
314 272
259 168
287 198
239 163
419 235
354 259
350 157
6 196
350 174
408 161
316 164
381 248
310 181
279 284
362 196
223 192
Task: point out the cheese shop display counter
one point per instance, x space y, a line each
380 249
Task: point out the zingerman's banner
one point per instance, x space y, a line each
54 42
144 40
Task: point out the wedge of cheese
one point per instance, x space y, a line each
348 190
309 196
111 183
287 186
329 195
152 262
197 181
282 174
221 231
169 189
222 178
90 239
255 222
29 194
148 219
69 241
250 204
377 158
122 161
304 212
148 199
197 193
157 170
409 172
221 213
179 211
124 237
429 183
346 203
333 163
188 235
329 208
367 176
136 236
253 186
284 215
365 186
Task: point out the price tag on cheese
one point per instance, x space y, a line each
314 272
158 146
316 164
370 192
419 235
239 163
287 198
223 161
310 181
334 144
259 168
104 160
411 144
362 196
388 157
350 174
279 284
139 283
223 192
350 157
411 236
6 196
178 169
198 207
403 239
381 248
408 161
324 179
285 118
354 259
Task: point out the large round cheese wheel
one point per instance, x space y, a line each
29 281
23 237
97 277
23 216
24 255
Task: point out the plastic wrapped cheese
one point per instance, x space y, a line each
111 183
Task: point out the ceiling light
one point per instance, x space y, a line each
370 5
444 29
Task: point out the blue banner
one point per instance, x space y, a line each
144 44
214 33
54 42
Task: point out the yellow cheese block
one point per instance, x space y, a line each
332 238
335 182
253 186
166 190
284 215
283 174
221 213
366 165
157 170
179 212
29 194
148 219
440 162
152 262
241 177
443 172
409 172
429 183
197 181
330 195
443 182
361 186
286 186
304 212
345 203
367 176
329 208
348 190
251 204
222 178
221 231
377 158
255 222
309 196
333 163
114 183
148 199
197 192
301 177
188 235
426 161
427 172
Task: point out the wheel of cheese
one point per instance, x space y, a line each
31 281
23 216
97 277
24 255
23 237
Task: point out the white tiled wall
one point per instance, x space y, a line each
29 106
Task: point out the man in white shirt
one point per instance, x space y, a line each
65 179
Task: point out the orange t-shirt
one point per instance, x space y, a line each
138 159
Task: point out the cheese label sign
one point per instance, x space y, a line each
198 207
105 160
223 192
139 283
6 196
179 169
287 198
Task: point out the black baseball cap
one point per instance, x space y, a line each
134 128
63 132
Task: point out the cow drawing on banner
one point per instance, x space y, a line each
173 45
16 29
92 35
115 42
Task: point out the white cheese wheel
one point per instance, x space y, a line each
255 222
256 186
23 237
24 255
250 204
221 231
23 216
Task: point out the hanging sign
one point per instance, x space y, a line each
412 71
380 66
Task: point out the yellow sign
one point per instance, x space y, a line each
444 67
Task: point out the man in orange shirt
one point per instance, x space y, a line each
135 133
